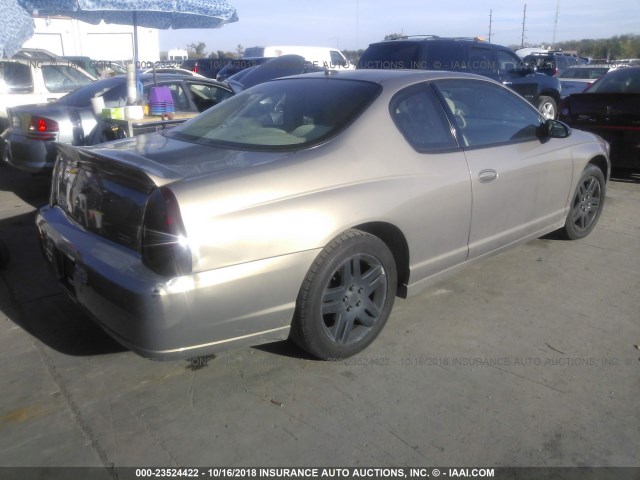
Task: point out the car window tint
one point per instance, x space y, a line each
17 77
281 115
487 114
419 116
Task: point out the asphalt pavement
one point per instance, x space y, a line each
527 359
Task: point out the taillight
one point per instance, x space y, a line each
195 68
42 129
165 249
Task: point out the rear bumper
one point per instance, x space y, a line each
163 318
34 156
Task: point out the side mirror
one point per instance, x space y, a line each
553 129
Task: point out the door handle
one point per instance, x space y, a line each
487 176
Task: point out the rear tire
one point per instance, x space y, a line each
586 205
346 297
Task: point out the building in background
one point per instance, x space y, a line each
65 36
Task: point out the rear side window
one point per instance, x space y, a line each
419 116
481 61
390 55
443 56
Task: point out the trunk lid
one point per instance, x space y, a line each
105 188
604 109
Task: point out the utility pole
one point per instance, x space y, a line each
555 24
490 22
524 19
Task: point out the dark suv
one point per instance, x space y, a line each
468 55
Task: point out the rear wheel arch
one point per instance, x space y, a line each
395 240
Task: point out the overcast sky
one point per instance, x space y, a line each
352 24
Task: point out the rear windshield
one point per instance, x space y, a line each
281 115
625 80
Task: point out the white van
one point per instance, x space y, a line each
177 55
323 57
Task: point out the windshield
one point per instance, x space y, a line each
281 115
624 80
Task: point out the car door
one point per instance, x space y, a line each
511 73
520 183
437 220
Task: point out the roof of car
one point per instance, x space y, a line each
383 76
433 37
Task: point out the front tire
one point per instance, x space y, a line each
586 205
346 297
548 107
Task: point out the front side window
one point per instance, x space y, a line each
16 77
206 96
507 62
487 114
419 116
286 114
337 60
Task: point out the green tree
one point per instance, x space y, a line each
197 50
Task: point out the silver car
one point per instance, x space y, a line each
303 206
34 129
